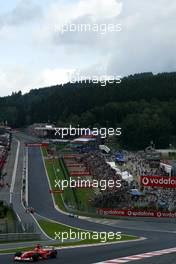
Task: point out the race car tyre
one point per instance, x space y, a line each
35 257
53 254
18 254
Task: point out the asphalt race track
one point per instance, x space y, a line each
71 256
160 236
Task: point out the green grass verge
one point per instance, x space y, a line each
56 168
83 197
55 172
51 175
51 227
80 197
44 152
9 251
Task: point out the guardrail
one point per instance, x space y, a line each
19 237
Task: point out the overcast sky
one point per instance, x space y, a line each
34 54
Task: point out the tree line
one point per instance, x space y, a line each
144 105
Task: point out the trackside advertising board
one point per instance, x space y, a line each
37 145
158 181
135 213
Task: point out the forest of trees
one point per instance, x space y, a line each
144 105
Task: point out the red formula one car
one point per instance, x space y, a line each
38 253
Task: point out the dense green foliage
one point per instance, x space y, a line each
144 105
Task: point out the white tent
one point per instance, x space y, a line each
104 148
127 176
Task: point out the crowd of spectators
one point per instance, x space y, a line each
139 166
101 170
5 144
151 197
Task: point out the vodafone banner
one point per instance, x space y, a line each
37 145
75 165
71 156
158 181
78 173
136 213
